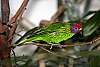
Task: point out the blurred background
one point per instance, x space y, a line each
38 10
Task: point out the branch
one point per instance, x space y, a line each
13 20
57 14
4 31
54 17
69 44
5 11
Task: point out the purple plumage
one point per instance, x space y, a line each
76 28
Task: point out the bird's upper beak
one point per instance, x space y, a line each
80 30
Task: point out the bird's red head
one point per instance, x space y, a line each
77 27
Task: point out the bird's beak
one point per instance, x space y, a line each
80 29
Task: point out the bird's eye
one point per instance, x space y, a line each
76 28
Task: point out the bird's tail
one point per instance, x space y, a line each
25 41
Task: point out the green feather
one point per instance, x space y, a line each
52 34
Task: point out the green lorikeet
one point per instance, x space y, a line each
52 34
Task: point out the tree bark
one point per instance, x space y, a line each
4 31
7 30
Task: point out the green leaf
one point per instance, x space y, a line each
94 61
89 13
91 24
88 53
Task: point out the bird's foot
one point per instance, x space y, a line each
50 47
60 46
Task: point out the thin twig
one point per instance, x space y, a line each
47 50
69 44
65 45
15 60
53 53
57 14
13 20
53 18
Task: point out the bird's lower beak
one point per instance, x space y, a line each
80 30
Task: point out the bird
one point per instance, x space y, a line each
52 34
